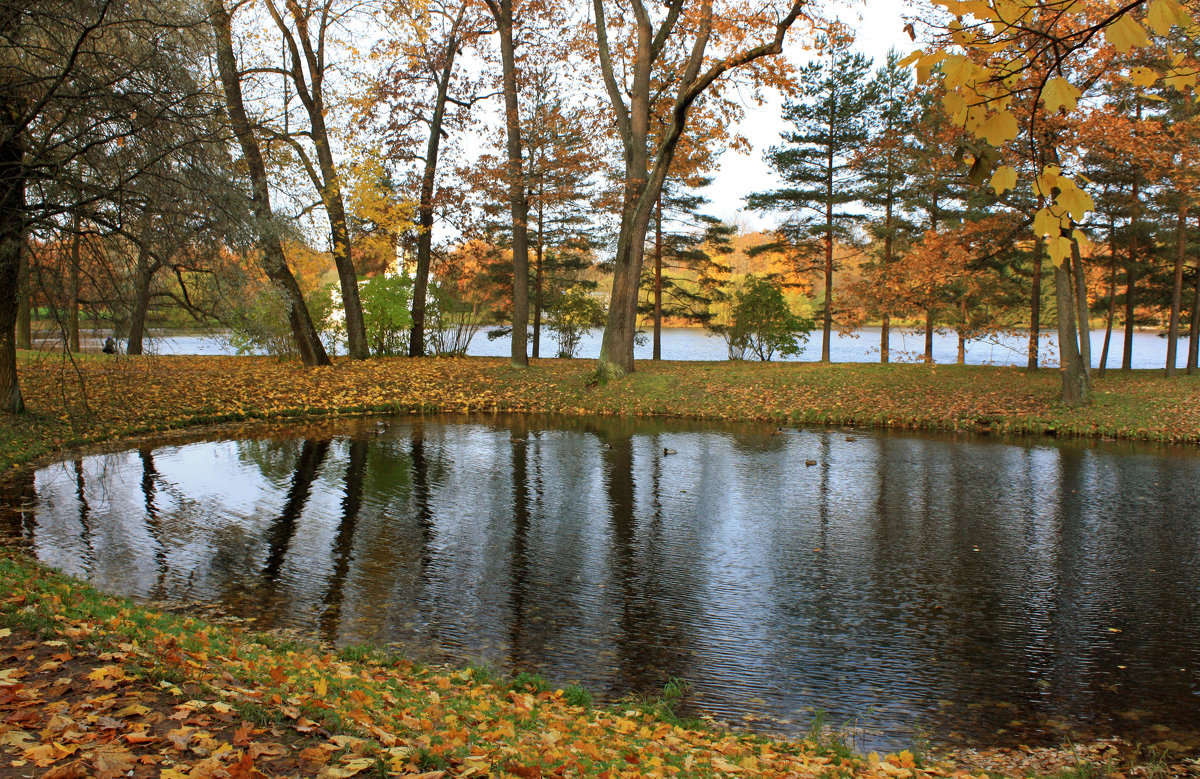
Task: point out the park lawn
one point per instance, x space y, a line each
96 686
98 397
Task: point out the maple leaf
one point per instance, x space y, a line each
1060 93
1125 34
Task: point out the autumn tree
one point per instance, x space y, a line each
688 275
683 49
883 162
996 50
268 229
77 78
816 159
418 100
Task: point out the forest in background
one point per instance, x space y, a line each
323 169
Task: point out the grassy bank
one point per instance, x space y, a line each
97 397
95 686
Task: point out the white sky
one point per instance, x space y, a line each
879 25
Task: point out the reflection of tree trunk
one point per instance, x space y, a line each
85 515
343 545
519 562
423 511
1035 305
279 537
153 521
619 483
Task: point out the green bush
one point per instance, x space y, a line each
386 315
763 325
571 315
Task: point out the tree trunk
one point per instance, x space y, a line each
141 302
308 342
1081 306
416 339
1035 305
12 241
827 319
1194 330
962 329
1074 375
25 301
1176 291
538 271
73 289
643 182
889 228
1112 298
1130 284
658 281
518 206
929 336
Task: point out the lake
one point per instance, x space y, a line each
684 343
989 590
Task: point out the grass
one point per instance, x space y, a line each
97 398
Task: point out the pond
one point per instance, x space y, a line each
990 590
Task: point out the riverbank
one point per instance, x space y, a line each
119 397
99 397
94 686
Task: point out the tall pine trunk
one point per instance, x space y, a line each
1035 306
1177 291
1081 306
12 240
1112 300
658 280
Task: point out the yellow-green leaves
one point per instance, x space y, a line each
1066 204
1125 33
999 128
1060 93
1004 179
1161 15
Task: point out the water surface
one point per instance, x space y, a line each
986 589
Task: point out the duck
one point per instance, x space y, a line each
669 451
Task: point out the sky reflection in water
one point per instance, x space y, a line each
962 584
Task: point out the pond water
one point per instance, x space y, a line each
689 343
975 588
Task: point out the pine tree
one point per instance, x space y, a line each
885 172
686 275
816 159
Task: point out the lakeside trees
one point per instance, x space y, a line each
193 150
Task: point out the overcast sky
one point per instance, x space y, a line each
879 25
